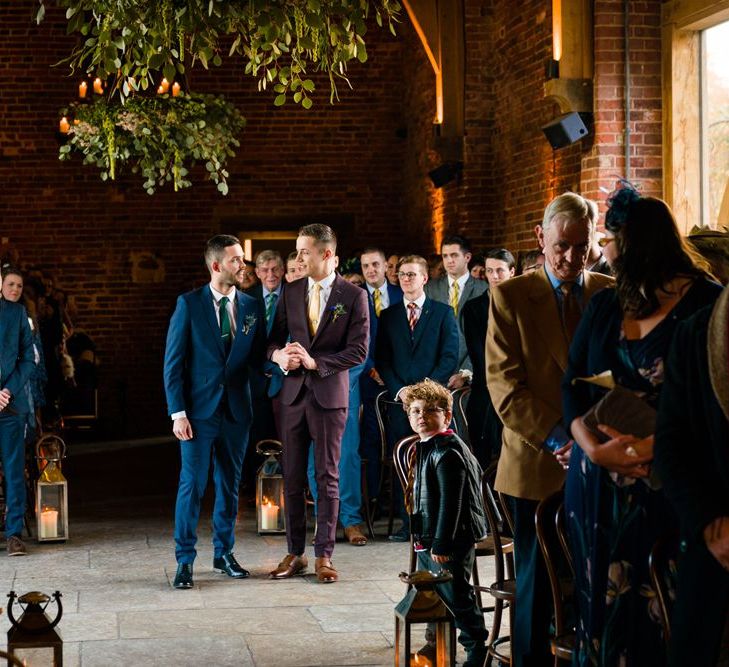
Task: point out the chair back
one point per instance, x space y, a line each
662 568
381 403
401 458
495 514
460 423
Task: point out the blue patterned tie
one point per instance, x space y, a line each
271 298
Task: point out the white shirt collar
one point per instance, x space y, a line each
418 302
382 289
266 292
219 295
326 283
461 281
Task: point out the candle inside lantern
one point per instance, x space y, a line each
419 661
63 125
98 87
164 86
175 89
82 89
269 515
49 524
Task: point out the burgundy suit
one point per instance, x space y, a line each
314 403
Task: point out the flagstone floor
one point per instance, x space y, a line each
119 609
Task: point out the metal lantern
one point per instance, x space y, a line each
32 639
422 606
270 489
51 497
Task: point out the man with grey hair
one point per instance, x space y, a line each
531 323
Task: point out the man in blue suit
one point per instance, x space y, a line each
416 339
16 364
215 333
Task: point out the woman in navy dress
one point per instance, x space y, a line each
614 514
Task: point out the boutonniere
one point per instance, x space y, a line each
248 323
337 311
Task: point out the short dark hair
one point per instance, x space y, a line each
503 255
10 270
215 247
528 259
322 234
454 239
476 260
370 250
292 256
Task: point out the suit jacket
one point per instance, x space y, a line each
16 353
269 380
475 319
339 343
430 351
526 357
395 295
197 372
438 290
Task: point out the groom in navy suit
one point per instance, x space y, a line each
215 334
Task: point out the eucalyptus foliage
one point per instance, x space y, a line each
162 137
281 41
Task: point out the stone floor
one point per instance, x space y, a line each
119 609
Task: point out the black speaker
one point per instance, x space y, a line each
445 173
566 130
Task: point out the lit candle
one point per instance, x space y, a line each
82 88
165 85
269 515
175 89
64 126
98 87
49 524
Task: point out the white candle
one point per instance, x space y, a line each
98 86
49 524
82 88
269 517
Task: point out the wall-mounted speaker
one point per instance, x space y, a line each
567 129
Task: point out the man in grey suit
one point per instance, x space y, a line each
454 289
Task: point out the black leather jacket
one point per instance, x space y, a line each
447 500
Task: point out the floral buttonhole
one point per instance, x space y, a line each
248 323
338 310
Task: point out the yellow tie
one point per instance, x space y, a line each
454 298
314 304
377 297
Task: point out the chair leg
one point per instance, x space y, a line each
391 510
476 583
366 502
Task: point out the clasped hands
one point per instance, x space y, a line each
624 454
293 356
5 398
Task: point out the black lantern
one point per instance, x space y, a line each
270 489
51 498
422 606
32 638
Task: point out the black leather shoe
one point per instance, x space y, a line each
183 578
402 535
227 564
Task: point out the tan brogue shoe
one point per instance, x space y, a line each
289 567
325 572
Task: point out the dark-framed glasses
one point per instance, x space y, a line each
416 412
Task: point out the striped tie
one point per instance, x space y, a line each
377 298
412 315
270 305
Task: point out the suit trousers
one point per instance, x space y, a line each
305 423
223 441
370 443
350 463
533 611
12 452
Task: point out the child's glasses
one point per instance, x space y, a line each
416 412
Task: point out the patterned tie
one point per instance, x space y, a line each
571 311
270 306
412 315
455 295
225 323
314 306
377 298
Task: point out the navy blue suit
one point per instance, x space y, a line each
213 390
16 365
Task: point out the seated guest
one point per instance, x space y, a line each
448 516
530 261
477 267
694 409
391 271
417 339
484 425
455 288
293 268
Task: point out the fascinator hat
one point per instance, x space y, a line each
619 203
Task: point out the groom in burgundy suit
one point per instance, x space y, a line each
320 331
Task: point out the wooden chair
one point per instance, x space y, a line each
548 520
401 458
662 570
387 471
460 401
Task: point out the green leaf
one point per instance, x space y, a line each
41 14
70 12
280 100
307 103
169 72
217 60
308 85
223 188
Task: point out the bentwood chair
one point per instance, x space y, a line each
460 423
401 457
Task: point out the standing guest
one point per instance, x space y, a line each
448 514
416 339
477 267
614 521
247 277
293 268
454 289
381 295
16 366
319 333
694 408
530 261
391 270
354 278
215 333
531 323
269 271
484 425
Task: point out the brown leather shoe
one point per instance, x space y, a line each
325 572
289 567
355 536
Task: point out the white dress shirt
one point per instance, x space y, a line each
384 294
461 286
324 293
418 302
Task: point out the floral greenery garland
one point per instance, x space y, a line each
129 41
161 136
